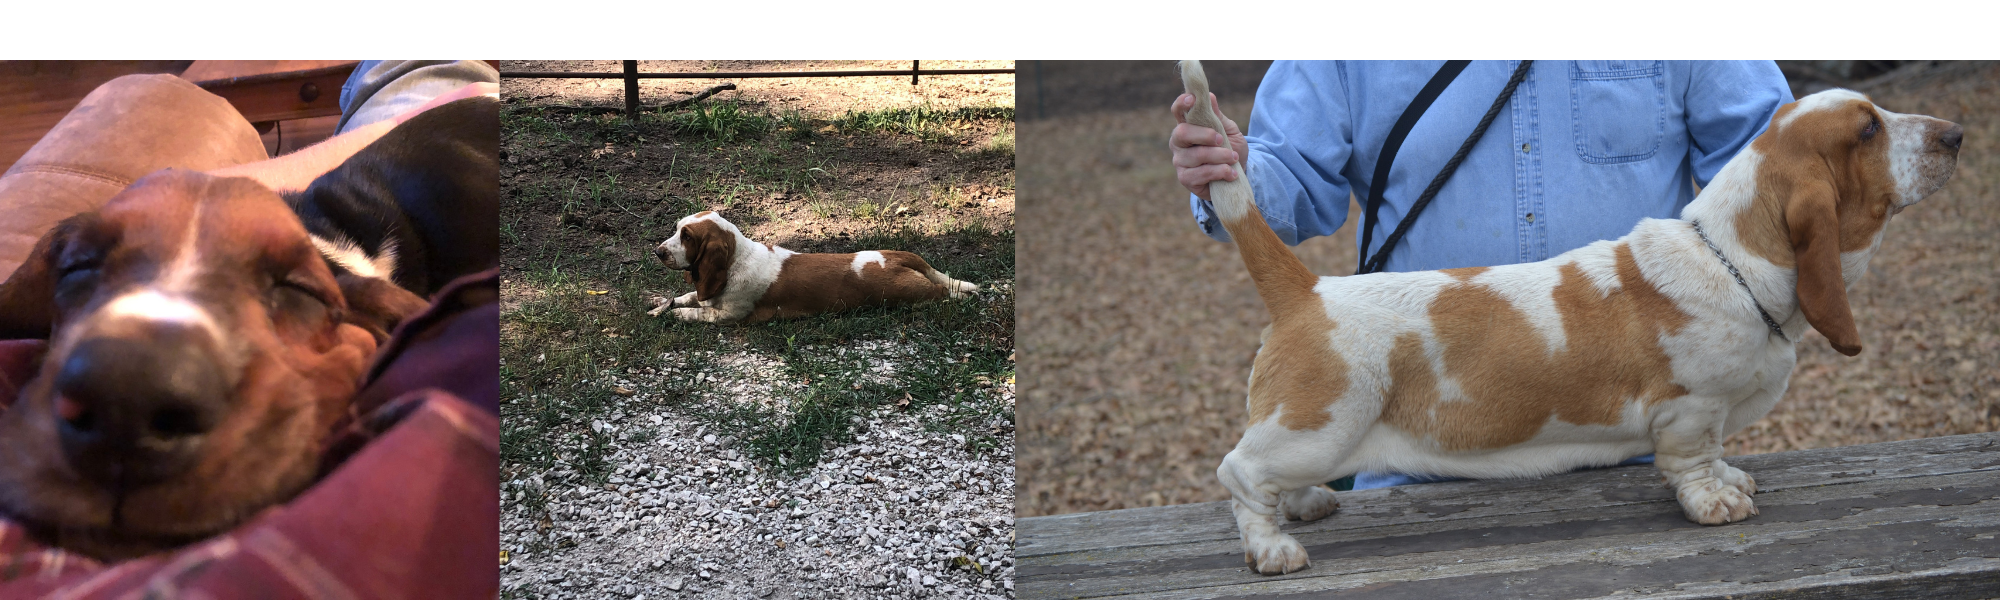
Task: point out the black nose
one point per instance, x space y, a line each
1952 137
133 412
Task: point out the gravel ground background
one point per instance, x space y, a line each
1137 331
904 511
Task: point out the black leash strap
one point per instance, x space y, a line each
1415 111
1395 142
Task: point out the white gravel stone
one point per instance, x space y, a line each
899 512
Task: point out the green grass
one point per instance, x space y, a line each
925 122
719 122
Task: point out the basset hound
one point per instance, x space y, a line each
204 333
736 279
1647 343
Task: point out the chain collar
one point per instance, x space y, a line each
1768 321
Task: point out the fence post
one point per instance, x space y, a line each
631 89
913 72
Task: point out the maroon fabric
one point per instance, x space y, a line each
412 511
18 361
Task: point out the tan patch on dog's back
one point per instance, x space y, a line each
1512 382
814 283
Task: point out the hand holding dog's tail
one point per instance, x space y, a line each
1283 281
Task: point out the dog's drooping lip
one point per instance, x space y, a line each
292 363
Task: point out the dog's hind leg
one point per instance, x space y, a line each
1255 503
953 287
1310 503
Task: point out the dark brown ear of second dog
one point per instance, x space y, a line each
429 189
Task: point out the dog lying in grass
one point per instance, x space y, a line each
739 280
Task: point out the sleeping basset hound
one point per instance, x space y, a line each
204 333
736 279
1648 343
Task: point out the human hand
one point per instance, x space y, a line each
1201 155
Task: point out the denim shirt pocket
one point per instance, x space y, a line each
1619 109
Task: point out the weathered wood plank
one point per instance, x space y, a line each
1833 521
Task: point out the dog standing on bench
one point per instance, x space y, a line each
736 279
205 332
1648 343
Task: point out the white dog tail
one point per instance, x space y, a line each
954 287
1282 280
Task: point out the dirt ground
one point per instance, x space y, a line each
1137 331
828 95
844 188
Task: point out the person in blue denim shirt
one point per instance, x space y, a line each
1580 153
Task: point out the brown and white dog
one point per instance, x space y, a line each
205 333
1642 344
736 279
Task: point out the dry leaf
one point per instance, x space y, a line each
622 391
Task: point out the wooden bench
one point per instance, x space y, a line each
1915 519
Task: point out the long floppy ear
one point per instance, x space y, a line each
377 305
28 298
1814 223
712 268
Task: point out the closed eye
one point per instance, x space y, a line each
1874 126
75 271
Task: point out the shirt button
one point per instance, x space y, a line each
1524 147
1531 217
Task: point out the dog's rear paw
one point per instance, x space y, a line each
1277 555
1736 478
1716 503
1309 503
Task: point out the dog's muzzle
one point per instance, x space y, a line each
666 258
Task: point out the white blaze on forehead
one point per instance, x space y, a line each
154 306
1821 101
869 256
186 263
710 216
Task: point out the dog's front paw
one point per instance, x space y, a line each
1309 503
1275 555
1714 502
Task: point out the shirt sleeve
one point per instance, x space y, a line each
1729 103
1301 137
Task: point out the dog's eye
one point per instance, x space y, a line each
1870 130
293 299
77 280
77 273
